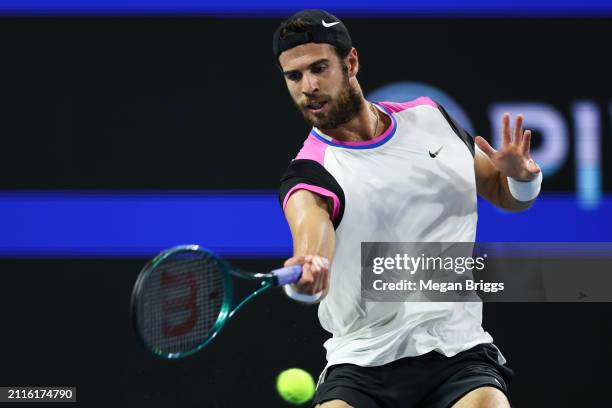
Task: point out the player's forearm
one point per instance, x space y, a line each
314 240
314 235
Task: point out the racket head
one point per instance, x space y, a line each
181 300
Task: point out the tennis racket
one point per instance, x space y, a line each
183 298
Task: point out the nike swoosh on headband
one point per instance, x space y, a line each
329 24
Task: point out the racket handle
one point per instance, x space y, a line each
290 274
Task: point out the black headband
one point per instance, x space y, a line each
322 27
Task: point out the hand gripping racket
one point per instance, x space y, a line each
183 298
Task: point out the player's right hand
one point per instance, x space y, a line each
315 274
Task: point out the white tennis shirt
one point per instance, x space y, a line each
391 189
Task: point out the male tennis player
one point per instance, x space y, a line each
386 171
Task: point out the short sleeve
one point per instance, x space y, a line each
463 134
304 174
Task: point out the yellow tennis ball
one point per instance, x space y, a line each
295 386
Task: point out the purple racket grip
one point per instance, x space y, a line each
290 274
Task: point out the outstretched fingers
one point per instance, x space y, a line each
506 133
526 146
485 146
518 130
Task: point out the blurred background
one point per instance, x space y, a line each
128 127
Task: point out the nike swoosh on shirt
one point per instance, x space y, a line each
433 155
329 24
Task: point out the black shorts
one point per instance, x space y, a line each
428 381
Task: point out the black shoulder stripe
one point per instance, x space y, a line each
313 173
459 130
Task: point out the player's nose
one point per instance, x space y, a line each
310 84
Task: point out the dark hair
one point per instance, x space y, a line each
298 25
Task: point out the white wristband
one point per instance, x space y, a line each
301 297
525 190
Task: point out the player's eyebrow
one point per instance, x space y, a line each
317 62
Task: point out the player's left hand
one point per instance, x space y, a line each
512 159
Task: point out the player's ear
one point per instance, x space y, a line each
352 62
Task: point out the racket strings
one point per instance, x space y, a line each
181 302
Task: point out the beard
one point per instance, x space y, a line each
342 108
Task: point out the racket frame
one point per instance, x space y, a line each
228 308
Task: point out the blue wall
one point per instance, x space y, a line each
344 7
232 223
